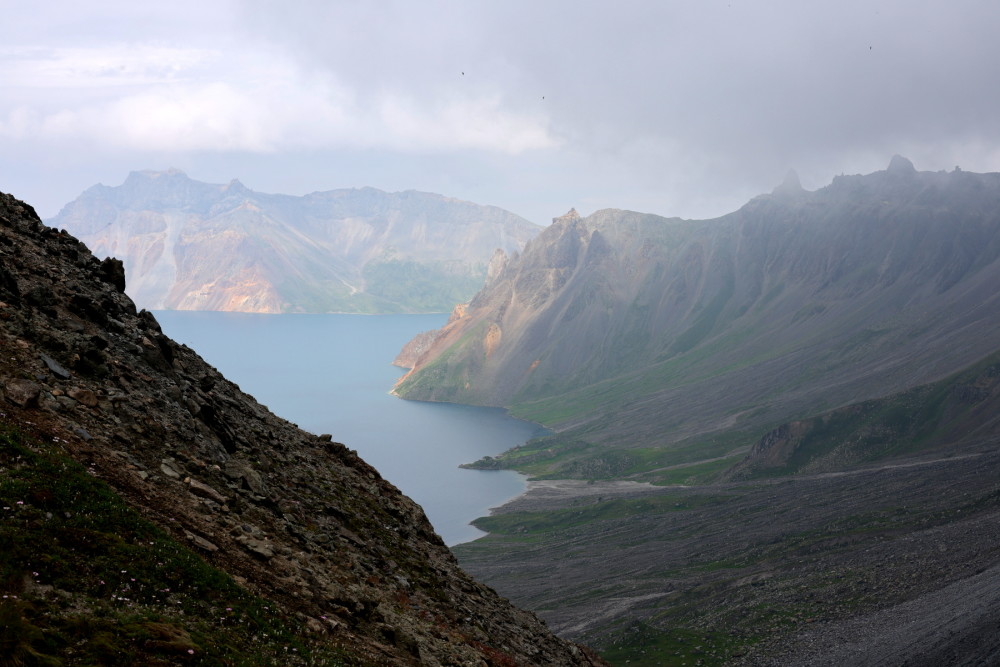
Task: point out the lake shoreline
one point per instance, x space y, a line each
330 374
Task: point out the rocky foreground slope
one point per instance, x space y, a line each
117 443
189 245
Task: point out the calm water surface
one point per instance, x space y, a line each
332 374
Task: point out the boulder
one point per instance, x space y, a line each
23 393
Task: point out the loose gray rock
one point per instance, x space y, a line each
204 490
55 367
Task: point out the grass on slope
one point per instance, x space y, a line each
422 287
640 644
87 581
696 461
525 524
673 369
906 423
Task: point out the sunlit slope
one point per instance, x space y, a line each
637 331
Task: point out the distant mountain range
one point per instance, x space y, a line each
626 331
189 245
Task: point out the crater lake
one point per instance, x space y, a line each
333 373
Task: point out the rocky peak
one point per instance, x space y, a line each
566 218
191 245
791 186
900 166
496 266
606 308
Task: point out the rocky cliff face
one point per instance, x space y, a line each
632 328
174 452
190 245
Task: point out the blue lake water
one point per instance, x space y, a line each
332 374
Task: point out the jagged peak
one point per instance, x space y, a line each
569 216
901 166
790 186
498 262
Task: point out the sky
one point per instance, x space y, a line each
677 108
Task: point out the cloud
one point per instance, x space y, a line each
734 85
160 98
106 66
673 107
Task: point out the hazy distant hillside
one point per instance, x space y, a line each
197 246
634 331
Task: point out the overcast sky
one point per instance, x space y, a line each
675 108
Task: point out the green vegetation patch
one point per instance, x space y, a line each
538 457
444 378
85 580
705 472
906 423
562 456
527 523
430 287
643 645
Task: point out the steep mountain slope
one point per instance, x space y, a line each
955 413
190 245
624 330
153 513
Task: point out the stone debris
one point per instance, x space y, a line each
23 393
200 542
83 396
204 490
55 367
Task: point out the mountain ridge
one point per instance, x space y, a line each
629 327
191 245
